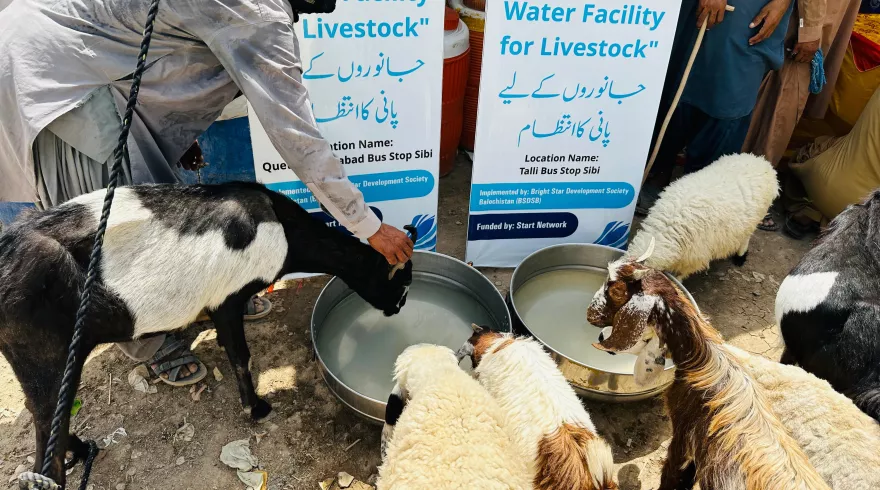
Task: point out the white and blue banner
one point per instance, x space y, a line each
568 99
374 75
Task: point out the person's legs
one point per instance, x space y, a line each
141 349
713 138
716 138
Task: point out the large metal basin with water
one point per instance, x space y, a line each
356 345
549 295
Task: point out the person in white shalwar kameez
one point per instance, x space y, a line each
65 69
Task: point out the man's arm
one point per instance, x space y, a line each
811 21
263 60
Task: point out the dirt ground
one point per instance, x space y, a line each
310 436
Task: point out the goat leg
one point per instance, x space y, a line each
41 389
230 333
678 472
739 259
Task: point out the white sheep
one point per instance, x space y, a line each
707 215
840 440
545 418
444 431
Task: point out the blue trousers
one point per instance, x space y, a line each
704 137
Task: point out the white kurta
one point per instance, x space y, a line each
64 64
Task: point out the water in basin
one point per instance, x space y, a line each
359 344
553 306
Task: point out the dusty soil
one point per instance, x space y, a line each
310 436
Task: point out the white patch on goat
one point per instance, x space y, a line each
650 362
166 278
599 298
802 293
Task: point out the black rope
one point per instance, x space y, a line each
87 465
68 389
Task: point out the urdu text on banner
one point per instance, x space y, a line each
568 99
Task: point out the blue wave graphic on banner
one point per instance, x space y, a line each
426 224
614 235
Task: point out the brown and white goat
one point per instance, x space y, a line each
546 420
725 435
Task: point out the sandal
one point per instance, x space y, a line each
797 230
171 359
250 311
768 223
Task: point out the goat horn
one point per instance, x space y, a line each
648 252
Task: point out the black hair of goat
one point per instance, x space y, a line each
166 248
838 339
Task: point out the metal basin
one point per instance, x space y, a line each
549 295
356 345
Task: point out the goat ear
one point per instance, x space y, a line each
477 329
650 251
650 362
629 324
466 350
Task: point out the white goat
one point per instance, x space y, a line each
707 215
840 440
444 431
546 419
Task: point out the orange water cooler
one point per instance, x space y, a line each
456 49
473 13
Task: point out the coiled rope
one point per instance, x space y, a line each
32 481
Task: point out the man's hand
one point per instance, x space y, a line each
768 18
804 52
712 11
192 160
392 243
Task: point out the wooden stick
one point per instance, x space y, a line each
681 85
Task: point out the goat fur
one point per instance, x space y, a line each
726 436
169 252
828 307
839 439
707 215
450 433
545 417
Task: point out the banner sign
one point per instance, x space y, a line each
568 99
374 75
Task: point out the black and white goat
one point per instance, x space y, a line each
828 308
169 252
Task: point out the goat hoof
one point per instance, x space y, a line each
739 260
261 410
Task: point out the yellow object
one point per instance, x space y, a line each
475 20
854 88
848 171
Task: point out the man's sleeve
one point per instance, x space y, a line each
263 60
812 19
